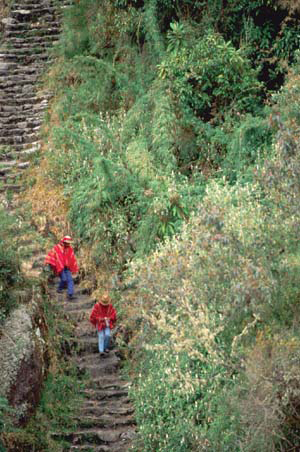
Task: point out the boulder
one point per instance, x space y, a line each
23 363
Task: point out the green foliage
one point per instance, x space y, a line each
125 130
209 76
165 408
270 31
247 145
225 295
5 422
10 275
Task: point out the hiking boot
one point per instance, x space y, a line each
102 355
72 297
106 351
59 290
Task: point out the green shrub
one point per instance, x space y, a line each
209 77
233 271
247 146
10 274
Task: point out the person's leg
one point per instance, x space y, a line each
69 283
106 339
63 280
101 341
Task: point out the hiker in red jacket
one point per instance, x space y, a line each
103 317
63 262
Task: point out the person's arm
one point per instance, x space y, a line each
113 317
94 317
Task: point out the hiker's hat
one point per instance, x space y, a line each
105 299
67 239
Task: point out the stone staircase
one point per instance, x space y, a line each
30 31
105 421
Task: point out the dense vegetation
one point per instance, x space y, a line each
11 279
173 143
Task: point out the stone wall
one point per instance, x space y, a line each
23 359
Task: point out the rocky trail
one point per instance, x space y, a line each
105 419
29 33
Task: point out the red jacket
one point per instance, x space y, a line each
60 257
99 312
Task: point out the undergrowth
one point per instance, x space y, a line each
11 278
61 394
215 314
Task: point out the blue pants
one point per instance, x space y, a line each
103 339
66 279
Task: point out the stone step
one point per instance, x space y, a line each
94 372
10 176
8 53
26 47
22 129
10 98
110 382
22 147
28 9
30 151
24 58
29 28
28 122
25 129
40 40
10 187
33 22
13 140
29 3
32 5
17 82
10 32
20 120
34 111
119 447
6 165
91 359
17 105
87 448
101 420
81 303
85 344
9 110
110 409
11 69
94 436
108 403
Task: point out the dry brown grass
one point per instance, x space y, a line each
49 206
273 398
292 6
50 217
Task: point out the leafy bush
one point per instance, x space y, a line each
222 294
10 275
209 76
247 145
